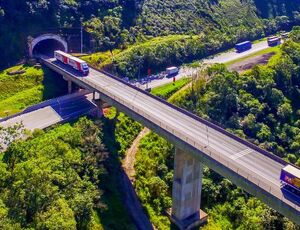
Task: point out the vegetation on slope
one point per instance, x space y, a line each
116 23
165 91
262 106
60 179
29 86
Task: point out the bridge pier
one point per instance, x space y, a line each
186 197
99 101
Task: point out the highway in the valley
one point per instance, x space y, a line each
224 57
243 163
54 111
209 142
47 116
233 55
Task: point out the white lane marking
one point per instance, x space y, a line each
241 154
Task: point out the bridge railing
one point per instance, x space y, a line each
270 187
210 123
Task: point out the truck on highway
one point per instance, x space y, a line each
72 61
285 35
243 46
172 71
290 179
274 41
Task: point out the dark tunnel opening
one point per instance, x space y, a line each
47 47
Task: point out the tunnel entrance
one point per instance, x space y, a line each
46 45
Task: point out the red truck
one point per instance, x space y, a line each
74 62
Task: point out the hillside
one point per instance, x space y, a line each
229 16
116 23
262 106
62 178
159 17
22 86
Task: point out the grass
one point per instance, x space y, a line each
275 50
35 85
165 91
100 59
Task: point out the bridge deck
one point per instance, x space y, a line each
230 156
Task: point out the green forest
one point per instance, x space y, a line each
262 106
68 176
117 24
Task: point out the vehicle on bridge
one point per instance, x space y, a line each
243 46
290 179
72 61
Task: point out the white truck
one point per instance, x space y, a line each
74 62
171 71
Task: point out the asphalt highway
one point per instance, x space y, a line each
231 150
55 111
251 164
219 58
233 55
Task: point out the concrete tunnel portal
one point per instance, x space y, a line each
46 45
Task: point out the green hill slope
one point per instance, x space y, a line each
115 23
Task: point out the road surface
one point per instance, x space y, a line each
232 55
219 58
212 144
242 158
53 111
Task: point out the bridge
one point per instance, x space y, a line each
198 142
54 111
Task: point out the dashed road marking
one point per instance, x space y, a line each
241 154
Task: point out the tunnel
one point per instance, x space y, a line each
47 44
47 47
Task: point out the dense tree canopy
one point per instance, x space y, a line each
117 23
51 181
262 105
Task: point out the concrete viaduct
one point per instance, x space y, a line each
198 142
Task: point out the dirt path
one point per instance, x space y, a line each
250 62
129 161
130 197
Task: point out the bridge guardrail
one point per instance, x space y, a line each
253 177
210 124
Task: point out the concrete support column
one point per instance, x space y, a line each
187 184
99 102
69 86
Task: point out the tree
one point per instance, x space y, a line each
284 111
58 216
